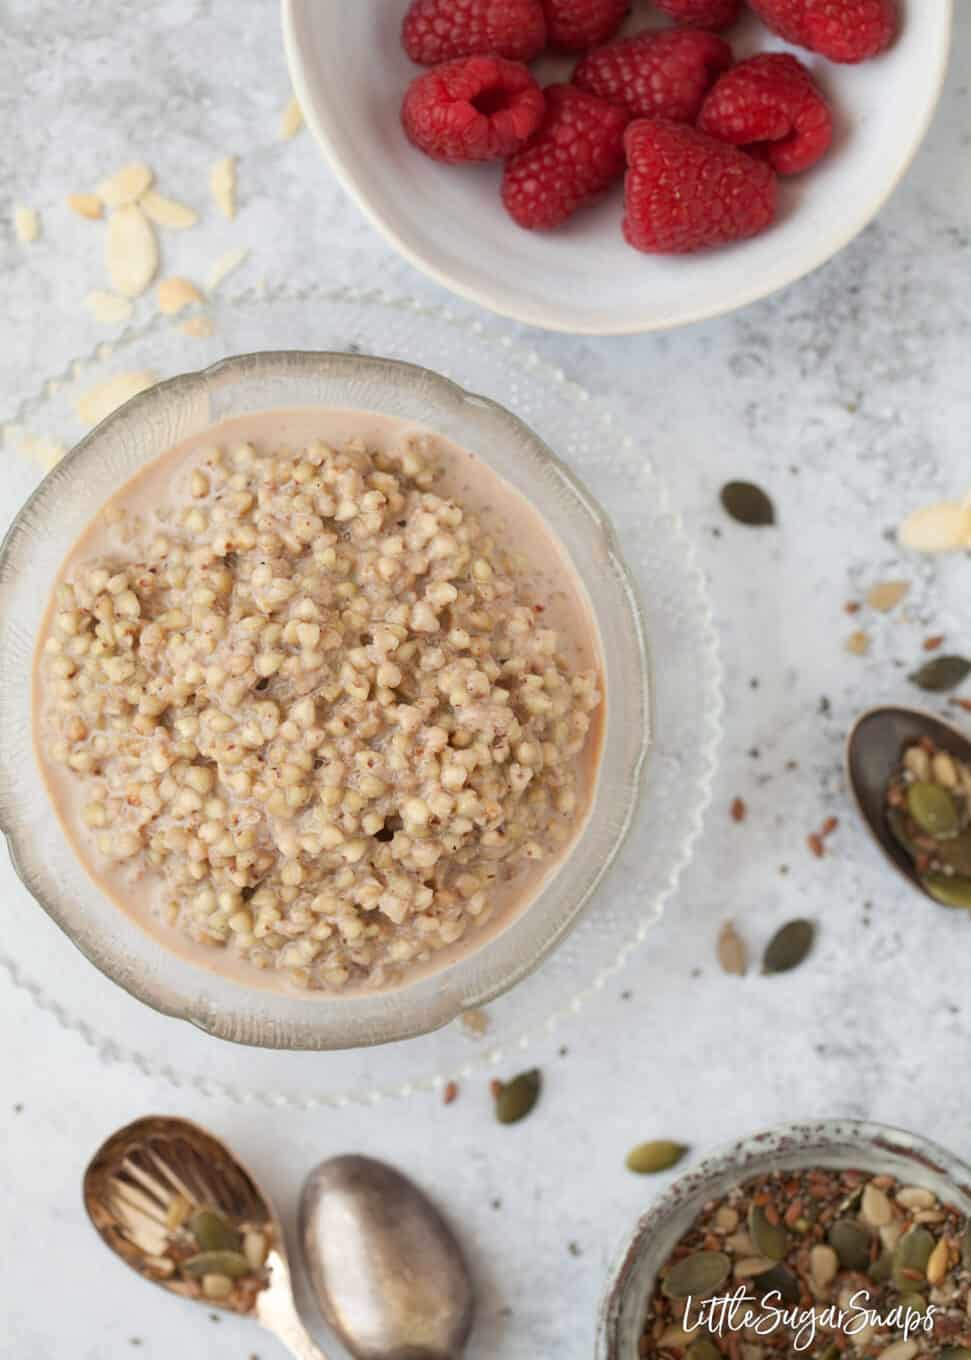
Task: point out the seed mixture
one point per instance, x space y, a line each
829 1263
928 811
211 1258
316 701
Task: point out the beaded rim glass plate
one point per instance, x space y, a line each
687 699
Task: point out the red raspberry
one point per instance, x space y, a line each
656 75
771 99
474 109
577 25
843 30
577 153
685 191
702 13
441 30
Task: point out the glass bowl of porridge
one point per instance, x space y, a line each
328 699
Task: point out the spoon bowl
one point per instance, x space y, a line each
148 1175
874 750
388 1272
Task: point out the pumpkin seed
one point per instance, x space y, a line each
966 1246
788 947
212 1232
956 853
851 1244
912 1254
231 1263
769 1239
647 1159
703 1349
897 823
748 504
954 1353
828 1353
941 674
779 1280
697 1276
951 890
933 809
516 1098
914 1302
882 1268
731 950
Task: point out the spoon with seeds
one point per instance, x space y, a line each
176 1206
907 769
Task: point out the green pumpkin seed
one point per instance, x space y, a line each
649 1158
231 1263
788 947
897 823
517 1097
212 1232
933 809
697 1276
951 890
966 1246
703 1349
912 1254
769 1239
779 1280
748 504
851 1244
882 1268
941 674
916 1303
954 1353
956 853
828 1353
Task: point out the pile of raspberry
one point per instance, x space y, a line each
699 139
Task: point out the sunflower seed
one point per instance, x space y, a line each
788 947
916 1197
697 1276
748 504
875 1207
942 674
131 251
937 1262
516 1098
732 955
823 1265
647 1159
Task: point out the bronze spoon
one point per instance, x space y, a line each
874 750
130 1186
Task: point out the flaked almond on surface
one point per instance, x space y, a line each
108 307
291 120
167 212
86 205
175 293
26 222
224 266
886 595
127 186
944 527
199 327
222 181
99 401
131 251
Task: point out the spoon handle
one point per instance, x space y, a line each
277 1312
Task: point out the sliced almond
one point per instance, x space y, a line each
46 452
99 401
175 293
86 205
476 1022
224 266
131 251
127 186
167 212
944 527
199 327
107 307
26 223
858 643
291 120
886 595
222 181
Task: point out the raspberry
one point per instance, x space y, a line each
843 30
685 191
474 109
656 75
577 153
577 25
771 99
702 13
441 30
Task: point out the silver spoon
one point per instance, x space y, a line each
146 1173
874 749
389 1275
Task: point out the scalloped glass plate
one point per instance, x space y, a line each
687 701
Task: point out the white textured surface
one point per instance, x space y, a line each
847 397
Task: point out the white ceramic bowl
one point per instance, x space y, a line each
349 72
30 558
837 1144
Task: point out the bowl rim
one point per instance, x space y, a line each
212 1019
753 290
868 1134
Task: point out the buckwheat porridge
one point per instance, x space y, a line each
318 700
